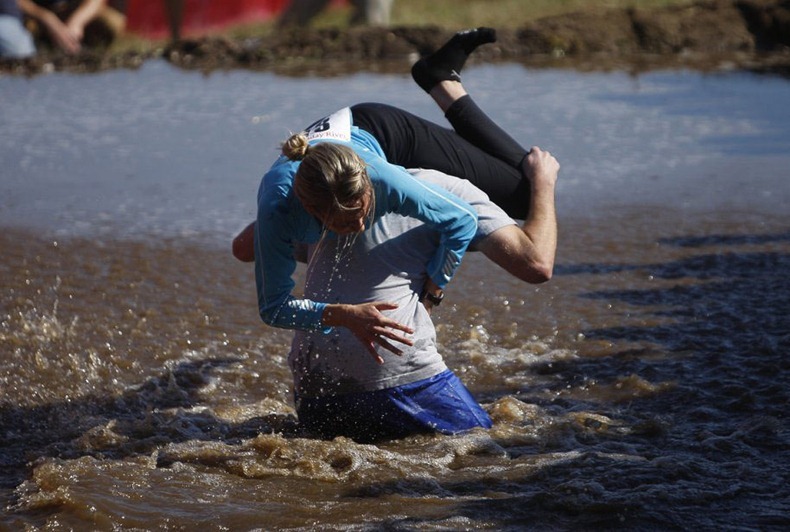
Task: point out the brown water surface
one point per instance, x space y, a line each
644 387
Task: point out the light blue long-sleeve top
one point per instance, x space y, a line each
282 222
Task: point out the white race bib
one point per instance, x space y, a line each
336 126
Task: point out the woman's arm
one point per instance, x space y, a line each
274 267
275 232
453 218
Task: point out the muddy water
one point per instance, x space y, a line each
645 387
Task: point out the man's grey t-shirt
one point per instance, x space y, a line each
386 263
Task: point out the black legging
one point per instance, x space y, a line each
477 149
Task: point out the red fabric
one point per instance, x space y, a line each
149 17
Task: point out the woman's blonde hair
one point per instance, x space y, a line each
331 178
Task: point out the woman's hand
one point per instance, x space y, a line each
369 325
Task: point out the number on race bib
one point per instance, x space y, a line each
336 126
319 126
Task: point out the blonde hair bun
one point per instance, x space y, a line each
296 147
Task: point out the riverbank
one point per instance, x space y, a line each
713 35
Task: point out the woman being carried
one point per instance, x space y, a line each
341 171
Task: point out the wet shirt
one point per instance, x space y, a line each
385 263
283 222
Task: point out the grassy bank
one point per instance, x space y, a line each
585 34
501 13
453 14
449 14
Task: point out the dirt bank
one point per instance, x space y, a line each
707 35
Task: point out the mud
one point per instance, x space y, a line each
707 35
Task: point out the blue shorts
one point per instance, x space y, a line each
438 404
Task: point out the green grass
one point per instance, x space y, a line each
449 14
501 13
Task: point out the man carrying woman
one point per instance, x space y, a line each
328 180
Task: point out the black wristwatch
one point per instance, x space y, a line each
435 299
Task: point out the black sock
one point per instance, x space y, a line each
446 62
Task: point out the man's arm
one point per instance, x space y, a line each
528 252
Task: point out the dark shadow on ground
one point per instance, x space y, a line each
709 450
722 330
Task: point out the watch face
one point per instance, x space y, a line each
435 298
